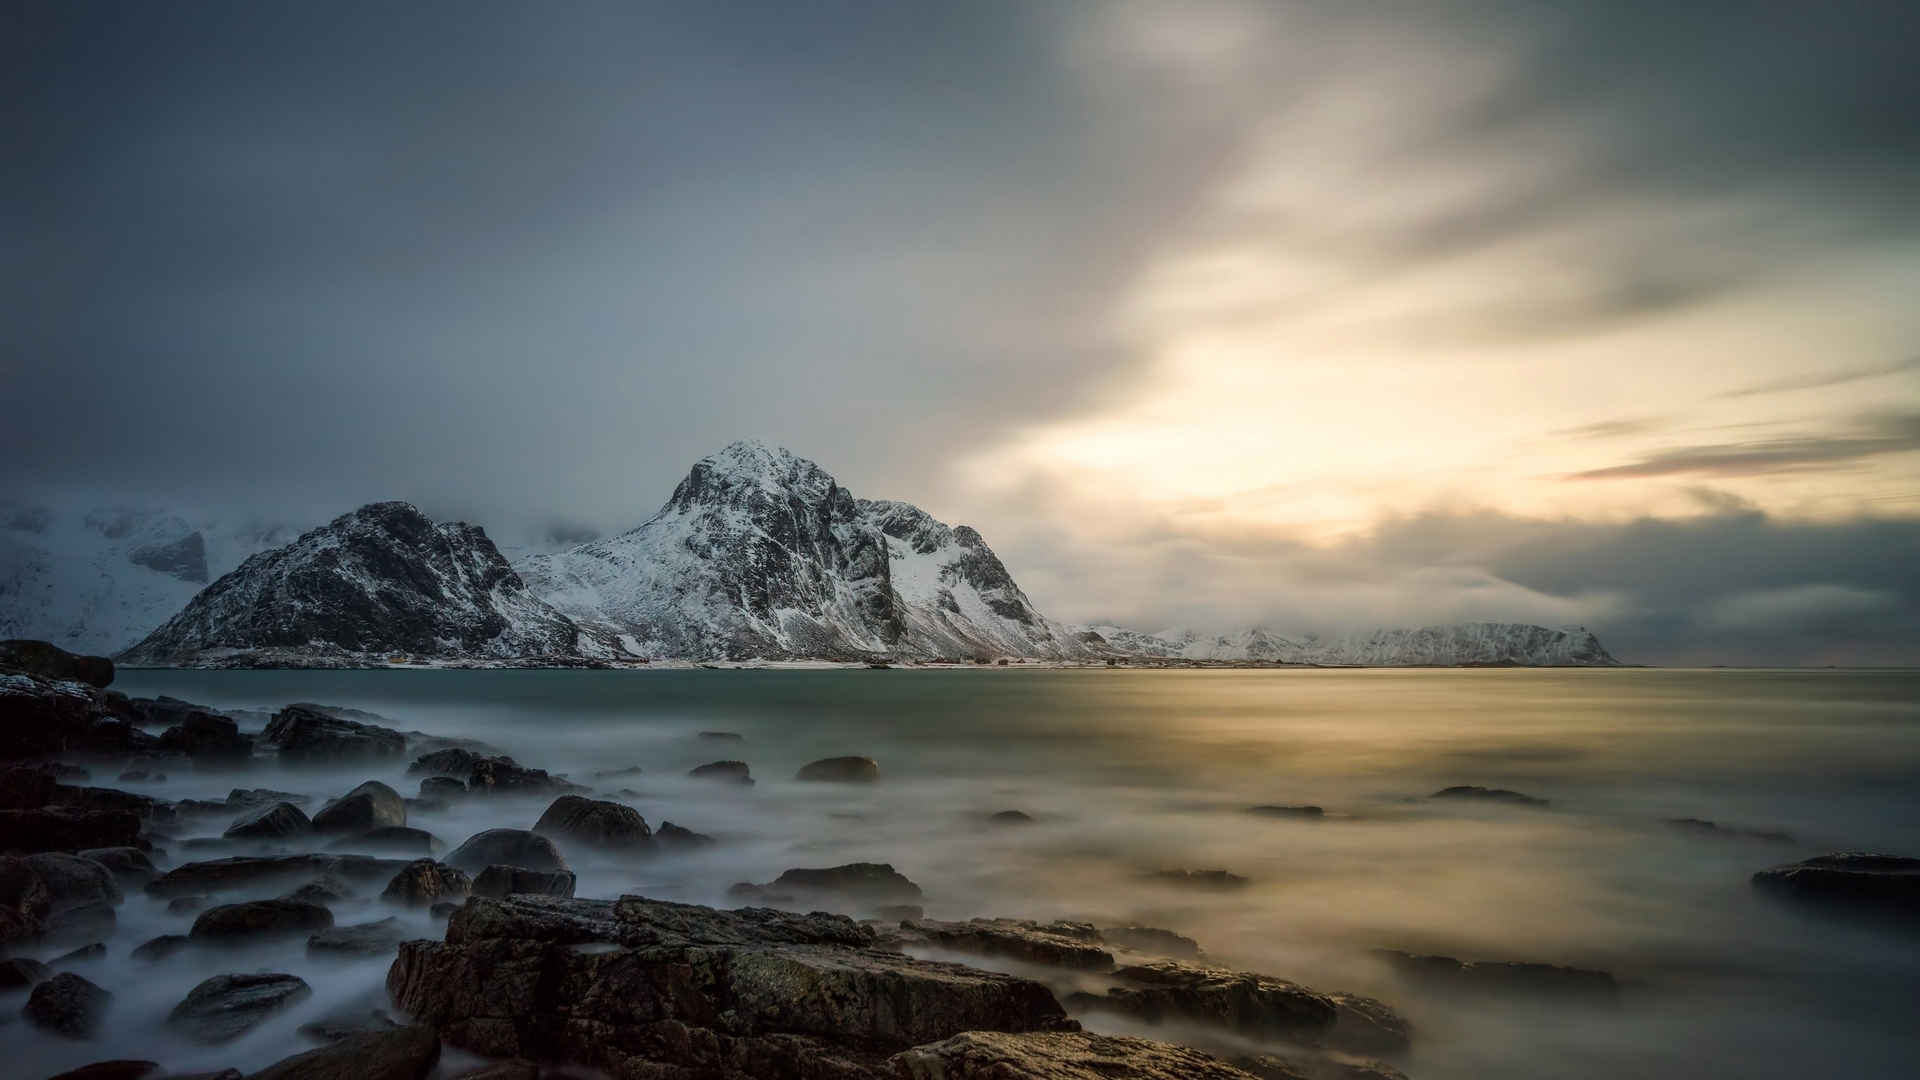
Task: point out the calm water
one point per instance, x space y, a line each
1131 772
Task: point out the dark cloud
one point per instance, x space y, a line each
1614 429
1878 435
1819 380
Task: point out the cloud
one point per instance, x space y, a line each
1804 607
1820 380
1887 433
1613 429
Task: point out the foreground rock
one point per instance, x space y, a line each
408 1053
40 717
1077 1055
855 886
259 919
208 738
372 805
646 988
1486 794
52 662
226 1007
280 821
67 828
1849 881
1071 945
423 883
499 882
1501 977
55 897
841 770
122 1069
67 1005
595 823
507 847
315 735
1248 1005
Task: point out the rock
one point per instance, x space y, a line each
226 1007
456 762
1849 881
154 950
20 973
1306 1066
502 881
67 828
1151 939
1057 944
129 865
259 919
732 772
348 1021
503 1070
389 840
442 788
840 770
1483 794
855 885
899 912
1241 1002
1300 813
267 871
307 735
1367 1025
26 787
1076 1055
1501 977
40 717
185 905
276 822
408 1053
52 662
1701 825
52 896
372 805
111 1070
361 939
443 910
253 798
639 987
507 847
671 837
67 1005
209 739
140 775
81 955
97 799
1200 879
1011 817
328 888
501 775
424 881
616 774
595 823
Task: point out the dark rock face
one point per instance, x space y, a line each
67 1005
185 558
1485 794
259 919
216 875
113 1070
226 1007
1201 879
507 847
1242 1002
81 955
306 735
857 886
40 717
55 897
26 787
381 580
424 882
595 823
722 994
254 798
732 772
442 788
389 840
1077 1055
454 761
20 973
1501 977
499 882
1301 813
1058 944
671 837
841 770
52 662
376 938
501 775
67 828
372 805
1849 880
208 738
276 822
404 1054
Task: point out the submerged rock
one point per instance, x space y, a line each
455 761
1849 880
208 738
1501 977
129 865
1701 825
226 1007
671 837
154 950
856 885
252 872
442 788
1200 879
507 847
1011 817
841 770
68 828
67 1005
1298 813
1150 939
595 823
1486 794
263 919
315 735
1077 1055
372 805
21 973
732 772
276 822
502 881
122 1069
500 775
424 882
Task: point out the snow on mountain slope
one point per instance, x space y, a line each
97 579
759 553
1443 646
379 581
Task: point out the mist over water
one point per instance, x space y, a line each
1127 773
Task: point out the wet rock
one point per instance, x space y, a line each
840 770
1011 817
731 772
859 886
507 847
1849 881
259 920
132 776
348 1021
1500 977
407 1053
52 662
267 871
1077 1055
112 1070
21 973
83 954
640 987
502 881
1485 794
372 805
209 739
501 776
1367 1025
1242 1002
254 798
226 1007
154 950
456 762
389 840
1308 1066
444 788
324 890
307 735
51 896
1057 944
96 799
280 821
1152 940
185 905
1200 879
26 787
671 837
129 865
361 939
619 774
1297 813
40 717
424 882
595 823
67 1005
1701 825
67 828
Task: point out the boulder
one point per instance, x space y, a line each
154 950
225 1007
840 770
408 1053
1295 813
1200 879
859 886
442 788
595 823
268 871
671 837
83 954
499 775
502 881
185 905
730 772
1056 944
209 739
424 882
40 717
1240 1002
1010 817
1453 976
52 662
390 840
639 987
353 1018
98 799
67 828
507 847
67 1005
129 865
376 938
21 973
1063 1055
328 888
56 897
455 761
312 735
1485 794
372 805
1849 881
259 919
253 798
279 821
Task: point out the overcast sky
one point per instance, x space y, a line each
1312 315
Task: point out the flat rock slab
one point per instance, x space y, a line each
1501 976
1077 946
1077 1055
1241 1002
226 1007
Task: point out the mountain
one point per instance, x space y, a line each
97 579
759 553
380 581
1464 644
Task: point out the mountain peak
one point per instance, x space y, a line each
750 471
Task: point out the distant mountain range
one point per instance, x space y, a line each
758 554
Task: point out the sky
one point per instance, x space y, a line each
1314 316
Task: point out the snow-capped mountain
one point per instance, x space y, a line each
1463 644
382 580
759 553
97 579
